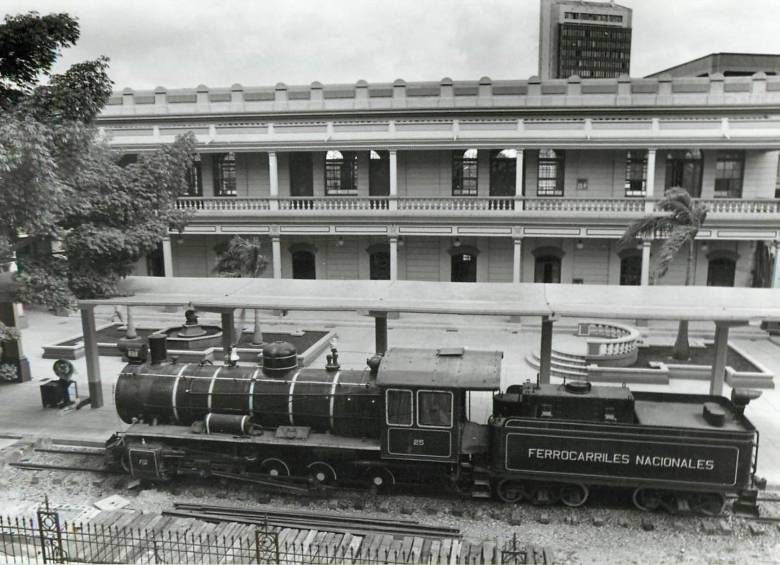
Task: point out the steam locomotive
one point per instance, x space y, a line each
405 418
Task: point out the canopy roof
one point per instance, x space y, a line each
504 299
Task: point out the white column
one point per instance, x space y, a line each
517 264
519 173
167 257
393 179
645 278
276 252
650 181
393 258
776 265
273 176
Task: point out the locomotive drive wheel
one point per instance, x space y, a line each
708 503
510 490
322 473
380 478
647 499
574 494
274 467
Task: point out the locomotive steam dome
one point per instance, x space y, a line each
279 357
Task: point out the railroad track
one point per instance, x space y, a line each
311 520
60 449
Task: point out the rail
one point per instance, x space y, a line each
610 343
447 204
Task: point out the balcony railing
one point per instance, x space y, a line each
500 205
223 204
739 206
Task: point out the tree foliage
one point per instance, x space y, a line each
243 257
678 221
29 46
60 182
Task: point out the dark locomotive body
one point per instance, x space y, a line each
405 418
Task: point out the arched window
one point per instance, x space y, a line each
301 181
631 270
720 271
547 265
503 165
341 173
551 171
463 262
379 266
465 173
304 261
683 169
464 267
225 174
194 179
547 269
378 173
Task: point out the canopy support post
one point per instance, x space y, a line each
545 350
228 323
721 351
380 331
91 356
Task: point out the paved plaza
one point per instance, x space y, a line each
22 414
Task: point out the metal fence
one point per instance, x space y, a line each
47 539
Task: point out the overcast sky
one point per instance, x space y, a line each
183 43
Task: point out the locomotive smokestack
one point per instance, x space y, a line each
158 348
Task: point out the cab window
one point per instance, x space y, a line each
434 408
399 407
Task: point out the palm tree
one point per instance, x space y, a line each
243 258
679 218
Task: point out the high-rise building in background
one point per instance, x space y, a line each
588 39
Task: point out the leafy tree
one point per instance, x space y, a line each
243 257
29 46
59 182
679 218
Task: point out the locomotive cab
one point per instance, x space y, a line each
425 393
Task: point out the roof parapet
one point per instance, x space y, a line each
574 91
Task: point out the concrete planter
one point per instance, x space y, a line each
70 351
661 373
629 375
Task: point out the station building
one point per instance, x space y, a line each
490 181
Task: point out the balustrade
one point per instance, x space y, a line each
740 206
493 204
609 341
334 203
224 203
584 204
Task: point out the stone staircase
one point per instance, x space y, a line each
563 365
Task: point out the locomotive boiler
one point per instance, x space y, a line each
405 418
276 394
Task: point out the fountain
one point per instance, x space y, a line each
192 336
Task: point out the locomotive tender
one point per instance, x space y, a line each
405 419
